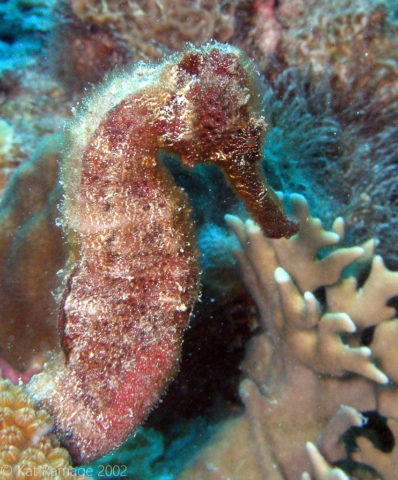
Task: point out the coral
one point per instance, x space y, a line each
302 151
129 290
34 106
22 23
337 145
346 35
352 46
26 450
152 28
88 52
6 137
308 372
31 253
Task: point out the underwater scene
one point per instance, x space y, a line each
199 239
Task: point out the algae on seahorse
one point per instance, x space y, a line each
133 274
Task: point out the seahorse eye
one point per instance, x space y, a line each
251 142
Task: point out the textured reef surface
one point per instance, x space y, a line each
288 370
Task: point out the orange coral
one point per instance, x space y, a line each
25 448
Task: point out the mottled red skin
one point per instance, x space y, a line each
229 133
133 269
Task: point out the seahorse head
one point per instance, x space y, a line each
213 114
217 98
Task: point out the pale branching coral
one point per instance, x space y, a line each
26 450
354 43
308 372
322 470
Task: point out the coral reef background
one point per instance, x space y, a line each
329 73
26 448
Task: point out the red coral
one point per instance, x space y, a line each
133 272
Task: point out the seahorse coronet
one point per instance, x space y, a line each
133 276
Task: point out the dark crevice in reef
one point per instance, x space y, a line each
375 429
213 349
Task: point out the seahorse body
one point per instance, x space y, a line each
133 272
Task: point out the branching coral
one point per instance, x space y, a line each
335 141
132 275
357 31
308 362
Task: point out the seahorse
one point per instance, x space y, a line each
133 277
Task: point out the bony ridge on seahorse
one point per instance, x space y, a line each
133 269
